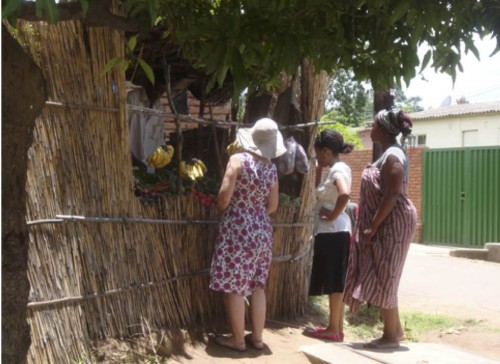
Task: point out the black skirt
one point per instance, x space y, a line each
331 255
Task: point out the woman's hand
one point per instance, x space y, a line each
368 235
324 214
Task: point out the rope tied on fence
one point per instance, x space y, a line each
200 272
124 220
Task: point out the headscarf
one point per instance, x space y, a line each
388 119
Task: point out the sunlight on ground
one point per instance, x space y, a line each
367 323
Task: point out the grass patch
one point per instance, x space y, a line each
417 323
318 306
367 323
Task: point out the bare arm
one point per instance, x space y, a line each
392 174
343 198
273 199
228 182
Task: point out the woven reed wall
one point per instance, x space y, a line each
94 280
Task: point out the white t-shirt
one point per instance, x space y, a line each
395 151
327 194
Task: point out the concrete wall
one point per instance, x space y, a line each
448 132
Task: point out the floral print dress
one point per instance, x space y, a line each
243 249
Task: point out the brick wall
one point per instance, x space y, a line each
359 159
221 113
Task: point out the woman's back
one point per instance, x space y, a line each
253 184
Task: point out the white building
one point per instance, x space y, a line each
455 126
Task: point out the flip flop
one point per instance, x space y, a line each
226 342
322 336
256 344
381 344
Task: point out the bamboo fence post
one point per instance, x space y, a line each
179 145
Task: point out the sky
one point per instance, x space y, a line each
479 81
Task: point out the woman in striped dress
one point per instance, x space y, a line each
386 223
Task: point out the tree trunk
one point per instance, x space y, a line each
382 99
299 99
23 97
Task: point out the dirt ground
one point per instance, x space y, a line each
433 282
283 342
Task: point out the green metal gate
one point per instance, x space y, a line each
461 196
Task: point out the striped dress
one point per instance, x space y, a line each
374 271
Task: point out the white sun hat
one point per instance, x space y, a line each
263 139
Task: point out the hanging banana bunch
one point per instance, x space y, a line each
160 157
232 148
193 170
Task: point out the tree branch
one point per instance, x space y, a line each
98 15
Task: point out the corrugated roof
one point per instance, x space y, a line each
458 110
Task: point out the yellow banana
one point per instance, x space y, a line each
151 160
193 173
232 148
170 151
198 173
162 159
202 165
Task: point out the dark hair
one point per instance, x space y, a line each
334 141
404 123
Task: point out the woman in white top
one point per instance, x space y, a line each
332 230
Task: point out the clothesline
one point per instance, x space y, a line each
148 111
187 118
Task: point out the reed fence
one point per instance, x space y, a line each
96 280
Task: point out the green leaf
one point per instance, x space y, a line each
221 75
157 20
132 42
10 8
49 8
469 45
210 85
125 65
85 6
112 64
153 10
426 60
399 11
147 70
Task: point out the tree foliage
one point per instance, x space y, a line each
408 104
348 98
256 40
350 136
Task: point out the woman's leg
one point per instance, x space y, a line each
258 313
235 306
336 323
390 317
390 338
399 329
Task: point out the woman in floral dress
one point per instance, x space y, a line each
243 250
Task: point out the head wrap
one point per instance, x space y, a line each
388 119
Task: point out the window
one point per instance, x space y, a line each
417 140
